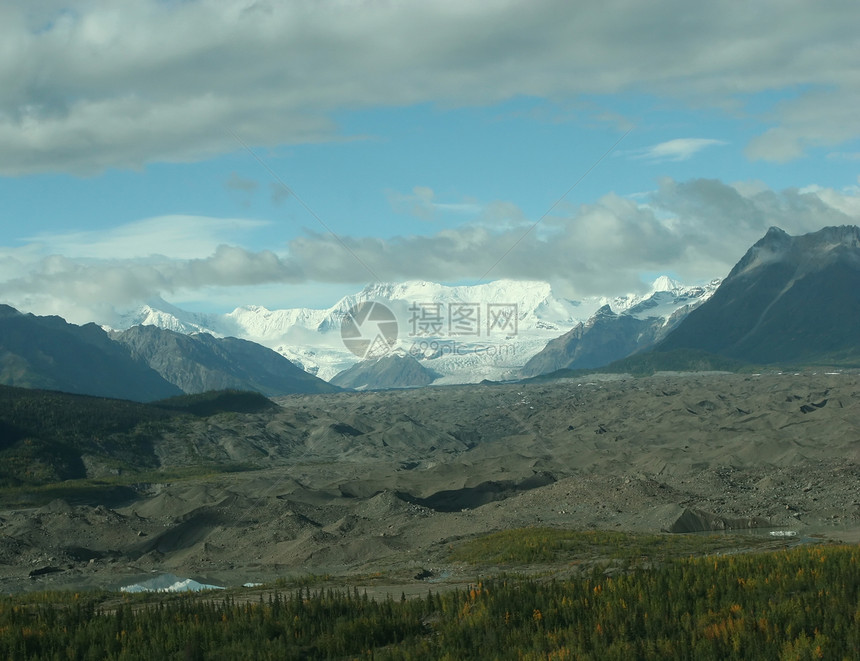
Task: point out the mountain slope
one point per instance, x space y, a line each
393 371
602 339
794 299
49 353
49 436
197 363
607 336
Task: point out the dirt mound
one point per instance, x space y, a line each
694 520
455 500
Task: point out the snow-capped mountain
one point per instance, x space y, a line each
162 314
465 333
610 335
666 297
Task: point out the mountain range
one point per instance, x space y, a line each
426 313
51 354
608 336
144 363
788 300
200 362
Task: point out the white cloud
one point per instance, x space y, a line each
79 287
120 84
818 118
679 149
697 229
175 236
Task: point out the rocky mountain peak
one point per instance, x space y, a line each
790 298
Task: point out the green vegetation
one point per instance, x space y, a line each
44 435
218 401
527 546
676 360
305 580
650 362
111 490
74 418
848 358
797 604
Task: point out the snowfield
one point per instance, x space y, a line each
466 333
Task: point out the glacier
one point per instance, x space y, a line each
169 583
311 337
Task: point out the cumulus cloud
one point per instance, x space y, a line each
697 229
120 84
94 290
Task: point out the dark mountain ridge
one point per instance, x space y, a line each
789 299
200 362
50 353
143 363
606 337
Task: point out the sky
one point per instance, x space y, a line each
218 153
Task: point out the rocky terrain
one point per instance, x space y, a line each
354 484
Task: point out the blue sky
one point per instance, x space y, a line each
420 140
